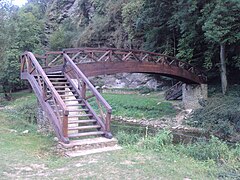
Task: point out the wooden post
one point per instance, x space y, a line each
46 60
108 119
65 125
84 89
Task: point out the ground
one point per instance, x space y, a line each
32 156
27 154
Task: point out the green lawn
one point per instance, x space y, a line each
32 156
139 106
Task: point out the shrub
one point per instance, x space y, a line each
126 138
157 142
144 90
27 110
221 116
214 149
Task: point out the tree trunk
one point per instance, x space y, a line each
223 69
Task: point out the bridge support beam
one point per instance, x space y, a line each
194 96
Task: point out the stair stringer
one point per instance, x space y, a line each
46 107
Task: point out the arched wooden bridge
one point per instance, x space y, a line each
61 77
95 61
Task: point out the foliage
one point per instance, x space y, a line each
65 36
130 15
21 31
222 25
155 20
158 142
188 29
220 116
218 151
206 159
139 106
28 110
24 109
202 150
127 138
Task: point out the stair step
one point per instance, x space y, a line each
88 141
69 95
57 82
62 86
65 100
57 79
95 133
87 144
85 115
66 91
61 93
72 105
82 121
57 72
84 127
76 110
92 151
55 75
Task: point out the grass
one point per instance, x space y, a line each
33 156
138 106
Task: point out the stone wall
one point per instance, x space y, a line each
44 125
194 96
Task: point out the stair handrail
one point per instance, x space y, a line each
45 79
95 92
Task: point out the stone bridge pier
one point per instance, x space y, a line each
194 96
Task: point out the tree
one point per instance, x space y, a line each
222 26
130 13
191 42
157 23
20 31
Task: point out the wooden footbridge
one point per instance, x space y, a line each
60 82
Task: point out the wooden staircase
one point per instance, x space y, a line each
175 92
81 121
66 99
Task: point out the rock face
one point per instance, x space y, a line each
59 10
194 96
83 10
128 80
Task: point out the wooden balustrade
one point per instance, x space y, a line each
78 63
30 67
69 64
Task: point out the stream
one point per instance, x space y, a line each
179 135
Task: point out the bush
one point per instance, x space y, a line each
214 149
144 90
28 112
221 116
126 138
158 142
27 109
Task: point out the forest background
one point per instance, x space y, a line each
205 33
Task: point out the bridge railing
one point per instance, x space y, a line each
83 84
32 70
86 55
